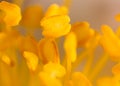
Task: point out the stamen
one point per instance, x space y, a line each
100 64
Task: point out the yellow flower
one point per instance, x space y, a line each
12 13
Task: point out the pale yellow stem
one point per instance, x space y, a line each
5 78
98 67
88 64
68 70
80 58
34 80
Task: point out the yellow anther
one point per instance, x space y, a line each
55 10
80 80
50 74
70 46
12 13
56 26
83 32
32 16
56 22
31 59
7 60
48 50
117 17
47 80
54 69
110 42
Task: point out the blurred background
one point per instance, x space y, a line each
96 12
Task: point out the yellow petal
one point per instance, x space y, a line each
12 13
70 46
31 59
48 50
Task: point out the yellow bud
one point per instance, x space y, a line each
12 13
31 59
70 46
